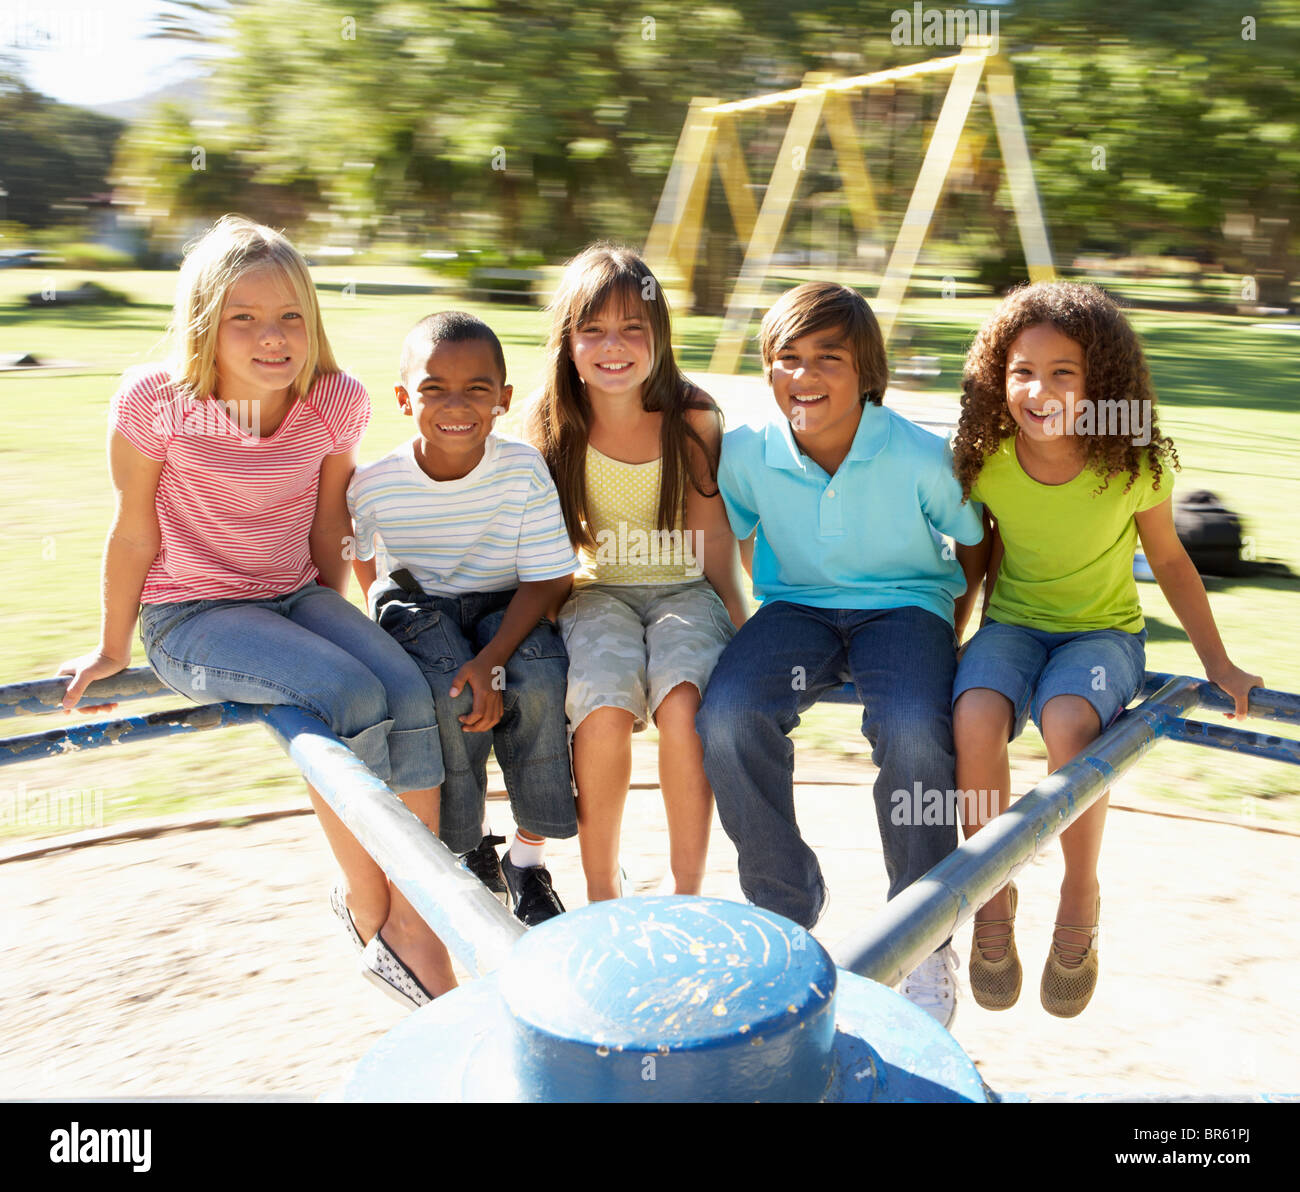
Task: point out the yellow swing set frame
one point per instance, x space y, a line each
709 135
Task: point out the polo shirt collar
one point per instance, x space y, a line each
781 451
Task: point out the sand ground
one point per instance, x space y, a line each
207 963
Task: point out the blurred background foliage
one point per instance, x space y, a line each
410 146
522 129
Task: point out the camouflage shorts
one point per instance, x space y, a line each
630 645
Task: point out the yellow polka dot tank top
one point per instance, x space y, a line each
622 513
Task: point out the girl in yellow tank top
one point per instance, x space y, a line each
633 448
622 514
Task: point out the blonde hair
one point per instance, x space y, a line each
232 247
560 419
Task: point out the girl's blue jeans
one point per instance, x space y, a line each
311 649
786 656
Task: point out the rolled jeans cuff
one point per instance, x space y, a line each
371 746
414 758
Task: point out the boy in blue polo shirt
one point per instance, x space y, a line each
846 501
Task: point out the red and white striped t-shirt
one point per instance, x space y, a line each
235 510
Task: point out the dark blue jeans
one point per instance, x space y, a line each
902 662
531 739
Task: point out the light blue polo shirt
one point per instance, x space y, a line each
867 537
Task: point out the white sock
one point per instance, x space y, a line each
524 854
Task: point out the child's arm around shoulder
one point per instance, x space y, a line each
706 518
1178 580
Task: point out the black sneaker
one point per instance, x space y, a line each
530 890
482 862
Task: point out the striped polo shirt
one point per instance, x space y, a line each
234 509
488 531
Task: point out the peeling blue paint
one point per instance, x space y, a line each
1234 740
46 695
552 1024
196 718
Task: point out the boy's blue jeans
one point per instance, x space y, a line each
442 633
902 662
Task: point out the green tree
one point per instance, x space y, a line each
534 125
49 153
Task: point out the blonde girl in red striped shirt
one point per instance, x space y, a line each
230 467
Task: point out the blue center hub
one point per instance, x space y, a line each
671 999
668 999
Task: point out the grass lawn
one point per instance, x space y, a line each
1229 399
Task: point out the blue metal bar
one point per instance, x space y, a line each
480 932
1265 703
477 929
1234 740
918 920
848 694
46 695
475 926
169 723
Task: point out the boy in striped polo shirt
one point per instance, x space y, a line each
467 531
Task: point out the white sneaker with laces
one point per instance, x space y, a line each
932 985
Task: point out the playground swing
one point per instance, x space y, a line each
710 136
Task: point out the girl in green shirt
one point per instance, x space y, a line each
1058 439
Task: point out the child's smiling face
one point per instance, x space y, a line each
455 397
815 382
261 338
1045 383
613 350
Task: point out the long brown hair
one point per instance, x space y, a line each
560 419
1114 369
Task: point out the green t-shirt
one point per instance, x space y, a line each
1068 562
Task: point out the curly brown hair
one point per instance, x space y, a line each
1115 370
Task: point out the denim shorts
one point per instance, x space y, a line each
312 649
1030 666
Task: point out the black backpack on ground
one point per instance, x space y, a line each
1211 533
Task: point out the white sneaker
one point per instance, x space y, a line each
932 985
